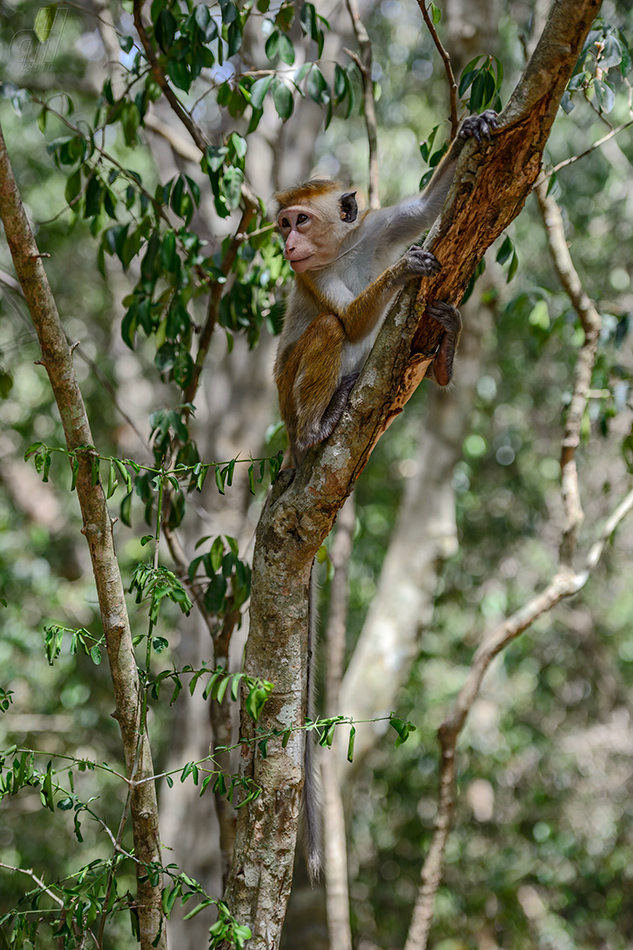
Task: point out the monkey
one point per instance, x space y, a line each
349 266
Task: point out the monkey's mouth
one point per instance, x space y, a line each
299 260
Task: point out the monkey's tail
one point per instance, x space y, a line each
312 818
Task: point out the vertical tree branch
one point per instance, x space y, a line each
192 127
364 63
591 324
450 76
336 889
97 528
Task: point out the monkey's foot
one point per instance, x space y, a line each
481 126
450 318
447 315
327 423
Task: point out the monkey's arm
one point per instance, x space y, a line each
405 221
365 311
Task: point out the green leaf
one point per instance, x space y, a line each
112 481
605 94
504 252
341 84
44 19
317 86
123 472
258 91
256 700
165 30
73 186
126 509
514 264
168 252
272 44
350 744
284 103
238 144
285 49
403 727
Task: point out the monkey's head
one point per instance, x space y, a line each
314 219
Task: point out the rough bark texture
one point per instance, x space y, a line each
491 187
97 527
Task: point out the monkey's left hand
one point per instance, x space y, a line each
418 262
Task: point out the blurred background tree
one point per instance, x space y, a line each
458 514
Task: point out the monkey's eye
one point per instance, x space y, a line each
285 223
302 218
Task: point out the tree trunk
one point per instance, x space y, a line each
492 184
58 362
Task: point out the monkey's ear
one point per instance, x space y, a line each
349 208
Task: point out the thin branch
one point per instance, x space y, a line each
336 887
40 883
181 146
450 75
591 324
192 127
592 148
364 63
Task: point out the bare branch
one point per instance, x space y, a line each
97 527
364 63
588 151
452 85
40 883
591 324
336 889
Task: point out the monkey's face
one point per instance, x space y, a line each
307 245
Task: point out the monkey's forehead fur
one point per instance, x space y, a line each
308 191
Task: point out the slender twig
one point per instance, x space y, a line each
80 934
364 63
40 883
591 324
192 127
588 151
452 85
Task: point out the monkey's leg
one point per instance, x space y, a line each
309 381
450 318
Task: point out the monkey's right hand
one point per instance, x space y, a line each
417 262
480 126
